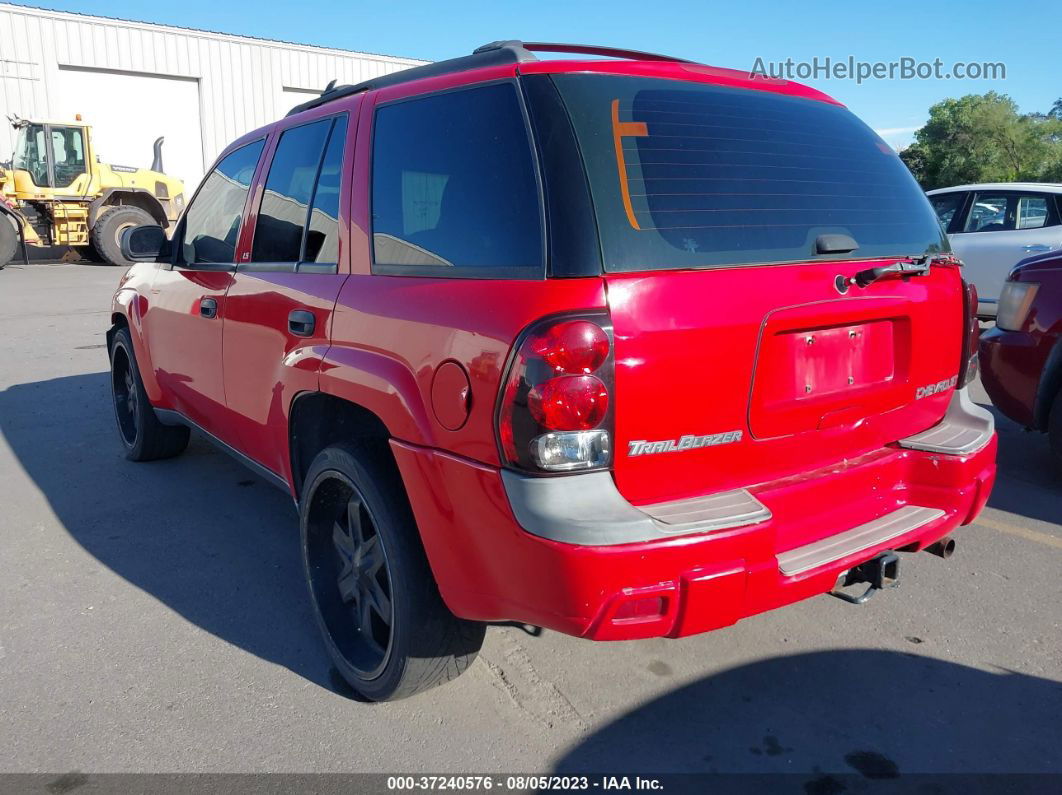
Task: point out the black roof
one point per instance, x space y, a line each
494 54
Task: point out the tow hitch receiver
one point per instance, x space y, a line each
879 573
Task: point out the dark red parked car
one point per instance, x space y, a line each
622 348
1021 357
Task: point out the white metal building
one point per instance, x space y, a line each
135 81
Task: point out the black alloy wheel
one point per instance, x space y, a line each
384 623
349 577
126 407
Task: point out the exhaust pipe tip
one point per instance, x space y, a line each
944 548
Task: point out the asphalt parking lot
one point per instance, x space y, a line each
154 619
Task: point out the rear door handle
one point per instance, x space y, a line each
301 323
208 307
1037 247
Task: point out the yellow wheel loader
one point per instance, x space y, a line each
55 192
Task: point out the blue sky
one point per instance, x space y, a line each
1022 34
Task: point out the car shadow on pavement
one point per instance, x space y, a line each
220 547
200 533
1028 480
867 713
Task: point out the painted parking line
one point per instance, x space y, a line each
1020 532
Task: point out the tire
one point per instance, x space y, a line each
141 433
1054 430
106 232
8 240
363 559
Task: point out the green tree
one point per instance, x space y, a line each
983 138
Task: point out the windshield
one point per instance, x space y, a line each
31 154
687 175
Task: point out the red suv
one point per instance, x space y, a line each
622 348
1021 358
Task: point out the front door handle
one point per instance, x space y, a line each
301 323
1037 247
208 307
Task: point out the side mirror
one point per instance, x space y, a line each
143 243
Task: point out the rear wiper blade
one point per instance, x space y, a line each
909 266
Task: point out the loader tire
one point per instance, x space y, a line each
8 240
106 232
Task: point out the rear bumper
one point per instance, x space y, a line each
491 567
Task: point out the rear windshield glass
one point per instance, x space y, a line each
687 175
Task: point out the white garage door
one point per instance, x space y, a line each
128 111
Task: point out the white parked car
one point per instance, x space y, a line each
995 225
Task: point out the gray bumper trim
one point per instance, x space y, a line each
588 510
965 429
835 547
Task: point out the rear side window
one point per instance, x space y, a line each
1003 211
212 222
990 214
454 188
687 175
302 193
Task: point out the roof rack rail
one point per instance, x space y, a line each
492 54
528 48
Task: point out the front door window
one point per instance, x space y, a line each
31 154
212 222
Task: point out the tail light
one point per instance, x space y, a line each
555 408
1014 304
971 332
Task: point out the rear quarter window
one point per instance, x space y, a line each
454 186
1032 212
687 175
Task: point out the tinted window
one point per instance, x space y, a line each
454 185
945 205
288 188
691 175
212 223
322 241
